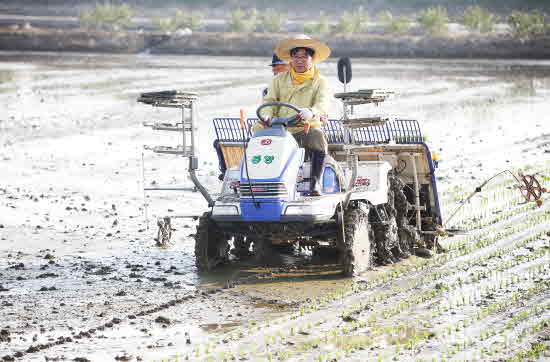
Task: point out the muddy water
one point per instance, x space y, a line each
70 152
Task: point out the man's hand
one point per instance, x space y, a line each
305 114
266 121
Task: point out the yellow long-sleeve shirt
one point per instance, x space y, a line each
314 93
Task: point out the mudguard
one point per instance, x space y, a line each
372 182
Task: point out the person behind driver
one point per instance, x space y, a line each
277 66
303 87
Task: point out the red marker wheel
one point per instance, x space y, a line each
530 189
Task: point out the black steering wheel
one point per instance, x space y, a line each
288 121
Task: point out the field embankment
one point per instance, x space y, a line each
260 44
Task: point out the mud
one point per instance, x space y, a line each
81 277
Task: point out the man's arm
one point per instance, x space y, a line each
321 100
271 96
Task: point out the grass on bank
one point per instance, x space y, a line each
478 19
241 21
525 25
107 17
433 21
180 20
394 24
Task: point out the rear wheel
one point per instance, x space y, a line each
211 246
355 242
262 248
241 247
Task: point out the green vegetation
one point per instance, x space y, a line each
394 24
272 21
434 20
318 28
243 21
179 20
194 20
107 17
330 5
352 21
526 25
479 19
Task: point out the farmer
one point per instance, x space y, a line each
303 87
277 66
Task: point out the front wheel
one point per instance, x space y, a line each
211 246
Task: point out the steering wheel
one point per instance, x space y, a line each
288 121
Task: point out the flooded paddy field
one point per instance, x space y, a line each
82 279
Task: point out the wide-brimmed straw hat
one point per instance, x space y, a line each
322 51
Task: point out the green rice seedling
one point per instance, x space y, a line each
242 354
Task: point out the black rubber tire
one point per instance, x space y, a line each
211 246
241 247
408 235
324 252
357 243
262 248
386 239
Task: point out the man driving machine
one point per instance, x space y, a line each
303 87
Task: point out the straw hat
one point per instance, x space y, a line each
322 51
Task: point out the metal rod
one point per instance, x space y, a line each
478 189
201 188
351 186
169 188
144 195
183 130
417 193
192 118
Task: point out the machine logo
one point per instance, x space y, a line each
269 159
362 181
266 142
256 159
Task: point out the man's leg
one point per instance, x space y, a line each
316 141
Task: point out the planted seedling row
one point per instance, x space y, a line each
373 298
535 350
486 342
383 278
358 288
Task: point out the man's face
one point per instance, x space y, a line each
279 68
301 61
